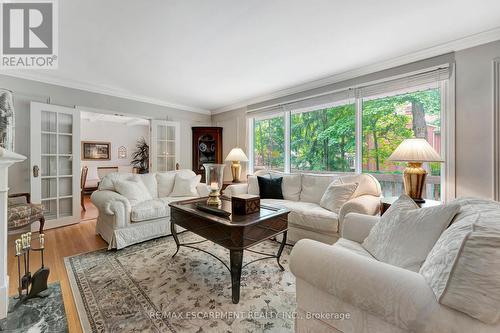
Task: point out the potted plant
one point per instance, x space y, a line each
140 157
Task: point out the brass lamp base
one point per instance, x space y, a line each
236 171
214 198
414 181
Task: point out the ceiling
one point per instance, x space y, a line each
205 55
113 118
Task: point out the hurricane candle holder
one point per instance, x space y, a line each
214 176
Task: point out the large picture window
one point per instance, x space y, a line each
358 132
387 121
323 140
269 144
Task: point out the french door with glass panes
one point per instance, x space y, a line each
165 145
55 163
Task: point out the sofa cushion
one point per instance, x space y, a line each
166 181
353 247
290 186
336 195
405 234
270 188
314 186
185 185
149 180
149 210
133 189
307 215
108 181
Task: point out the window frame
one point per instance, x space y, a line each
447 90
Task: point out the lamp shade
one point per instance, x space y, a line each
415 150
237 154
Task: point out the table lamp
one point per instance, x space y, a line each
236 155
415 152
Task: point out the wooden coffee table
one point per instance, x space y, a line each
235 233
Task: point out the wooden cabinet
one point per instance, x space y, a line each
207 148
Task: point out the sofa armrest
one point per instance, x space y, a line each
358 226
202 189
395 295
364 204
114 204
235 189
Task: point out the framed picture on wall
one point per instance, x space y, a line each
96 151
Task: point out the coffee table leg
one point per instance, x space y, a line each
236 258
173 231
280 250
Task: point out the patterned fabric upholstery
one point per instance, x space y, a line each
20 215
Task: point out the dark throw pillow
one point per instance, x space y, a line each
270 188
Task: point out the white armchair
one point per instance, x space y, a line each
342 288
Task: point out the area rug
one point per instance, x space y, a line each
41 314
142 289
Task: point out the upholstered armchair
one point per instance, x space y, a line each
22 213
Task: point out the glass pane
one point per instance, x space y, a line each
49 188
206 150
162 132
49 166
161 164
49 121
65 123
50 207
387 121
65 207
324 140
170 132
170 163
49 143
171 148
65 144
65 186
269 144
65 165
162 148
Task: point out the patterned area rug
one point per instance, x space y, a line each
40 314
142 289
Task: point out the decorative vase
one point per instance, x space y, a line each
214 177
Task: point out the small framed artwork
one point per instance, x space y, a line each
96 151
122 152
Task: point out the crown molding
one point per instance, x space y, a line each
455 45
40 77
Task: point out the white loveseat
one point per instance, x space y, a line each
122 223
342 288
302 194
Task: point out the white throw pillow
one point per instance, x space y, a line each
185 186
337 194
314 186
149 180
405 234
134 190
166 181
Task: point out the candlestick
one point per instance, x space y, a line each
18 247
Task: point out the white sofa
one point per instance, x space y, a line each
335 281
302 194
122 223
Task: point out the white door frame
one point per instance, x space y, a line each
36 159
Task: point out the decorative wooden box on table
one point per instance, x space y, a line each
245 204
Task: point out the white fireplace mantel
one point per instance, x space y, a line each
7 158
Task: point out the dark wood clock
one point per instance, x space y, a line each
207 148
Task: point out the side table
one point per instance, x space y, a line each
385 203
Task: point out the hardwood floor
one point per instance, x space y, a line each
59 243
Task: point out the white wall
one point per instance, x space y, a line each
27 90
115 133
473 112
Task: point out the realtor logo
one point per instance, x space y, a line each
29 34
